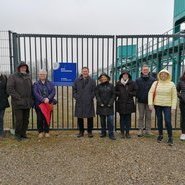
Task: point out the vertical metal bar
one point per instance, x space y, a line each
93 57
102 55
67 57
71 88
88 52
115 69
108 64
35 40
97 71
46 49
24 49
62 58
10 50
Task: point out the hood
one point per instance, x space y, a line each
123 72
165 71
104 74
22 64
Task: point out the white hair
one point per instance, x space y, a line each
43 71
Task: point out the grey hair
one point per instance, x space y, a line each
43 71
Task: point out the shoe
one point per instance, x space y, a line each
18 138
170 141
122 135
41 135
90 135
182 137
81 134
112 137
140 133
25 137
103 135
47 135
159 138
128 136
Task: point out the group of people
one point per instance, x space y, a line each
150 93
24 96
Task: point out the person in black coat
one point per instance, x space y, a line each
105 99
3 103
83 93
181 96
143 86
125 91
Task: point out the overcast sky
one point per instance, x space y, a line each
87 16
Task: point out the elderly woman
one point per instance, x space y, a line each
105 99
181 96
125 91
163 96
44 92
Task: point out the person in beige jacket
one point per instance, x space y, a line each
163 96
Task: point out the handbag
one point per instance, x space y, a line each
154 94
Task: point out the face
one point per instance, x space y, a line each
85 73
23 69
103 79
125 76
145 71
42 76
163 76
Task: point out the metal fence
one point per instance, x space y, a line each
101 53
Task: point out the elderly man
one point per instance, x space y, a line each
83 93
19 87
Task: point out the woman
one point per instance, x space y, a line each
163 96
181 96
3 103
105 99
125 91
44 92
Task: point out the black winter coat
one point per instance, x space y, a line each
143 87
124 97
83 93
19 87
3 94
105 96
181 91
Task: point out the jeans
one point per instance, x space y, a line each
160 110
182 116
2 122
144 117
109 124
89 124
125 122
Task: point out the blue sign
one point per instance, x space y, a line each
64 74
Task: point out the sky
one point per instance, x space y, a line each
115 17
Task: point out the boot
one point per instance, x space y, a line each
122 135
128 135
81 134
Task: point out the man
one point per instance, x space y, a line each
19 87
83 93
143 86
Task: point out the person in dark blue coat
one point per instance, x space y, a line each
105 96
44 92
143 86
3 103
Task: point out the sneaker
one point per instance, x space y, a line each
18 138
103 135
112 137
41 135
170 141
122 135
128 136
159 138
140 133
47 135
182 137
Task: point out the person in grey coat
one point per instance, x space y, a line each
84 92
19 87
105 96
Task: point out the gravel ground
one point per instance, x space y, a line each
65 159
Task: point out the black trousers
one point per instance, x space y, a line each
21 121
182 117
89 124
42 125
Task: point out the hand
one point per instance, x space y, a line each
46 100
108 105
172 111
102 105
151 107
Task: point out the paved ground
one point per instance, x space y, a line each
65 159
